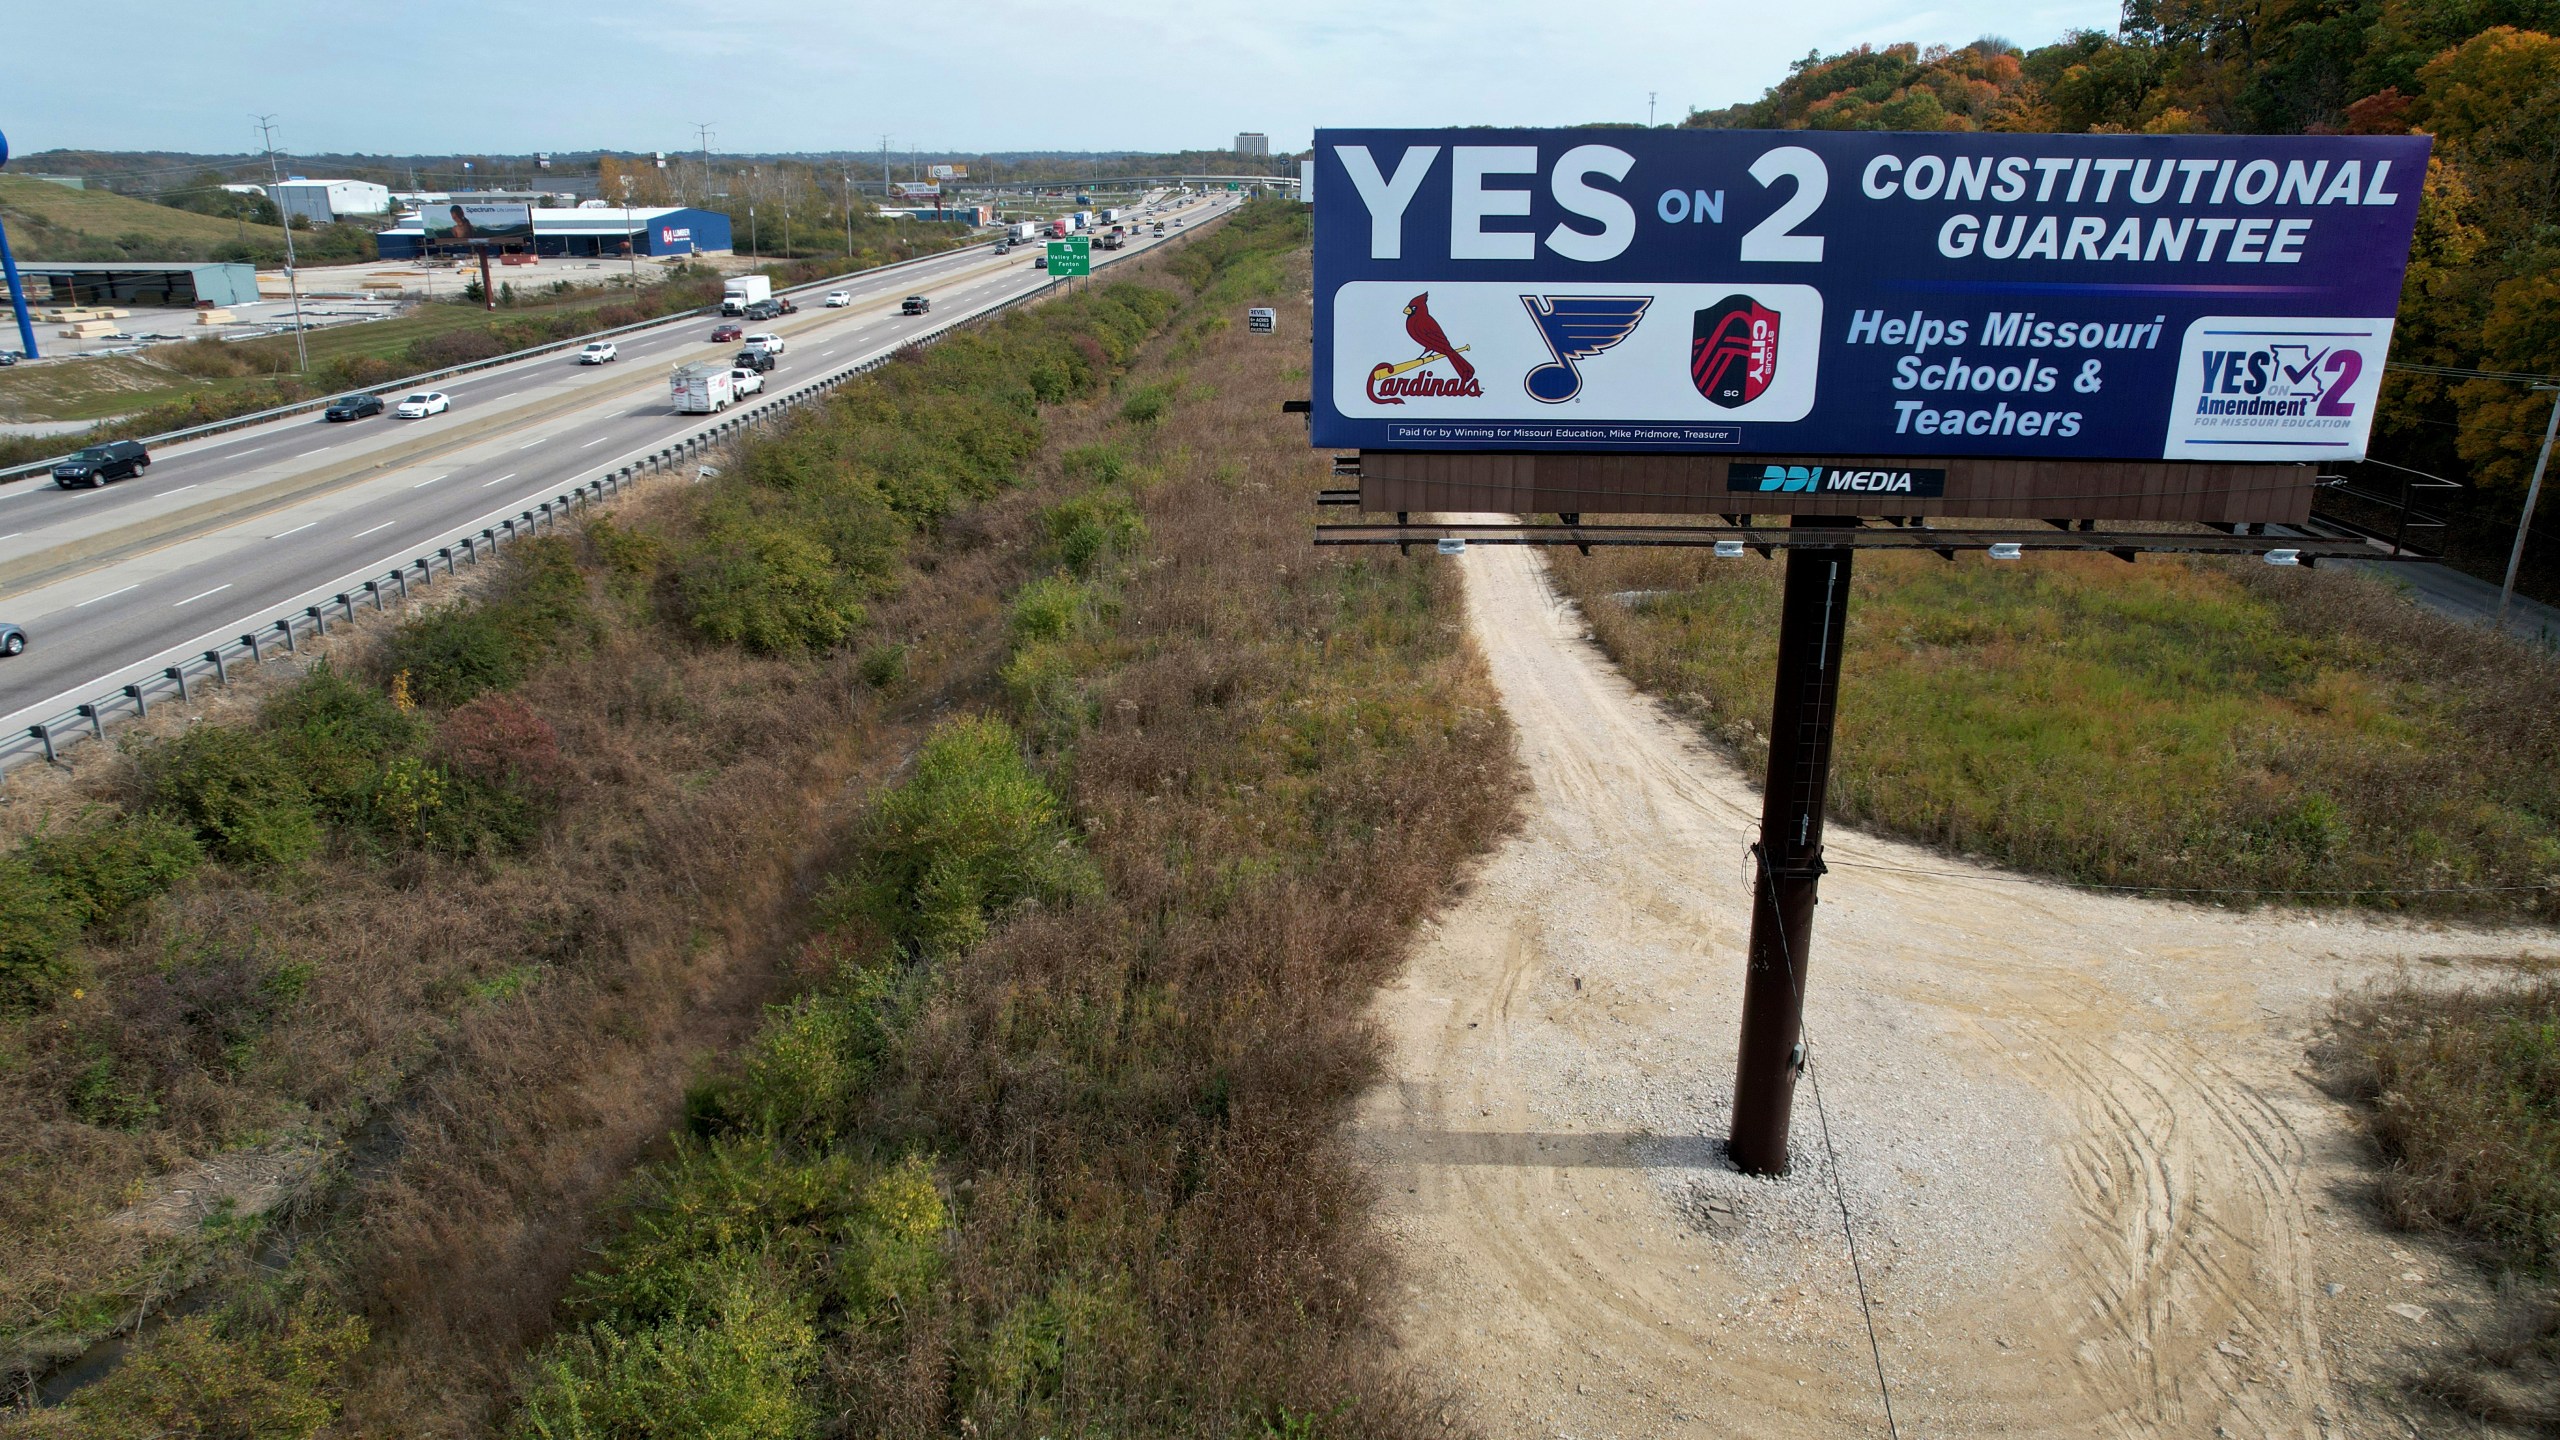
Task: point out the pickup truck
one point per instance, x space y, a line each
914 305
743 383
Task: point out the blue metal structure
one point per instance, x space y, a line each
9 267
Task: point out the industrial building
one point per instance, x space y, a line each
1253 142
615 231
324 202
139 284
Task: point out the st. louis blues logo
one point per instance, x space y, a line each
1577 327
1733 351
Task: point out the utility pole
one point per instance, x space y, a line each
752 247
1812 620
292 282
2532 496
884 169
848 211
703 129
630 247
1649 97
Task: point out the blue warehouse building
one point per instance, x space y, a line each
609 232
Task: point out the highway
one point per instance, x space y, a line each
223 534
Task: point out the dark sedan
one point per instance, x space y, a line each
727 330
353 407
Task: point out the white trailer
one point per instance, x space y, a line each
736 295
703 389
1023 231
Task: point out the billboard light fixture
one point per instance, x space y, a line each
1728 549
2006 550
1453 545
2284 557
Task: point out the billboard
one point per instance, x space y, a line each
2207 298
448 224
947 172
915 192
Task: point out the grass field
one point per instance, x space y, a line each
2166 724
46 221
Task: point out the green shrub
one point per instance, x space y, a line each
769 588
1148 403
110 865
1090 527
806 1070
971 832
226 1378
730 1370
464 650
338 733
236 790
39 922
883 666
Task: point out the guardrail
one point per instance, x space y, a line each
87 722
299 407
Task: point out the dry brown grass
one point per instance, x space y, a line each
485 1047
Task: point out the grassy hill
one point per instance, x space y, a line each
52 222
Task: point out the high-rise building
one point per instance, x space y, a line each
1253 142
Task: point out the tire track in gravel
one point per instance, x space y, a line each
2095 1195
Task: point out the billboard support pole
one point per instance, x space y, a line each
17 296
1813 619
2532 498
488 292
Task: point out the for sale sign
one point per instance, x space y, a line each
2034 296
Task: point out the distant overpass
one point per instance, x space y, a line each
1288 183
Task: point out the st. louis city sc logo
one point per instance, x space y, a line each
1733 351
1392 383
1577 327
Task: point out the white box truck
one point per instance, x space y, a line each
1084 219
1110 215
736 295
1023 231
702 389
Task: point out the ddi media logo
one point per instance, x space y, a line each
1832 480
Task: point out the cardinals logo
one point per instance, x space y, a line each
1733 351
1391 383
1577 327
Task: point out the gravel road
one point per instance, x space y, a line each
2095 1191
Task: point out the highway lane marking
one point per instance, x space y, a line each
94 599
385 525
529 444
501 480
296 530
596 441
12 535
216 590
423 484
175 489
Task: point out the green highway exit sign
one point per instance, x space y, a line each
1069 258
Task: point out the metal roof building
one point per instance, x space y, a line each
646 229
137 282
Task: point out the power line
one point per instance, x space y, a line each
2195 889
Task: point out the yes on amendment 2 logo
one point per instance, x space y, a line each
2276 389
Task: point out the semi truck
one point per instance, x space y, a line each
1110 215
1058 229
745 290
703 389
1024 230
1084 219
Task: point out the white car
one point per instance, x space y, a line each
424 404
602 352
766 341
838 299
745 382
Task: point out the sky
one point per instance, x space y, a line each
480 76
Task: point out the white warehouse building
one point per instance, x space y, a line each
323 202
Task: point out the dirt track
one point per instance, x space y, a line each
2096 1194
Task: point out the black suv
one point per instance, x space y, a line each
353 407
763 310
760 361
98 464
914 305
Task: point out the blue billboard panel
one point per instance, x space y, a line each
2112 297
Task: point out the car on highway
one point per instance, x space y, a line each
786 305
8 358
423 404
725 332
600 352
352 407
1040 261
762 310
759 361
914 305
745 382
838 299
12 639
95 465
766 340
